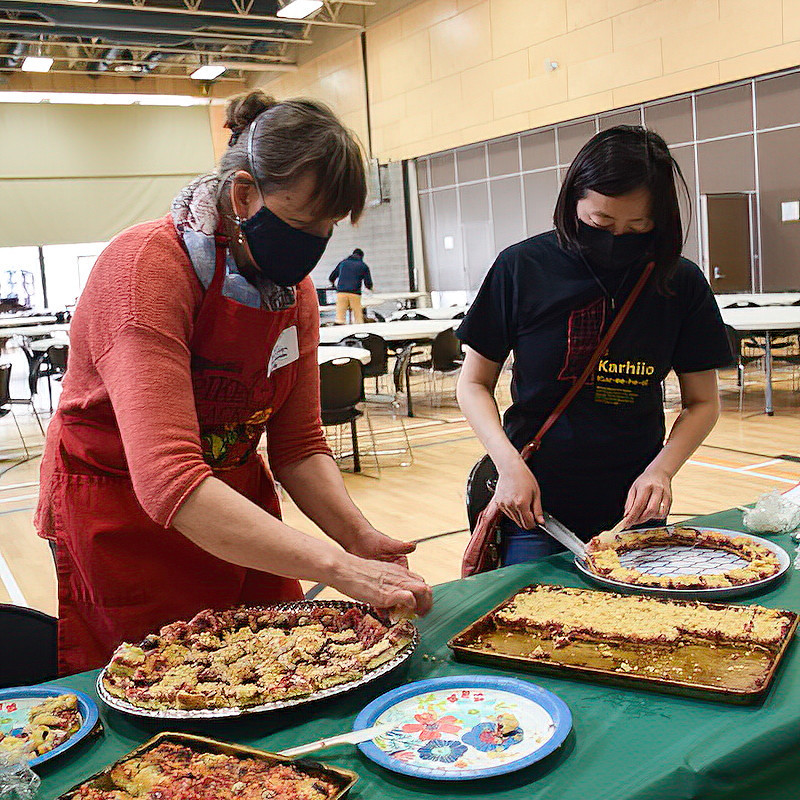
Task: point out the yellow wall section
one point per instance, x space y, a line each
335 78
445 73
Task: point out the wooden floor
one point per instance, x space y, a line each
748 453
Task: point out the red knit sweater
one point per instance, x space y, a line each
129 346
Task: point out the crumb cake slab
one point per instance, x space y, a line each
684 561
255 773
698 649
250 660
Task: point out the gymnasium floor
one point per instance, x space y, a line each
747 454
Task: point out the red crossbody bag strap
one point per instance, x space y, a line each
601 348
483 551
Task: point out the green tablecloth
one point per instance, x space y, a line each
625 744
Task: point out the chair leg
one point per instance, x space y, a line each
741 386
50 391
38 418
374 442
356 454
408 443
21 437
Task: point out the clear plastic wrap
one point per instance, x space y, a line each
772 513
17 780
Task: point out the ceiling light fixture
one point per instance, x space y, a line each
208 72
97 99
299 9
37 64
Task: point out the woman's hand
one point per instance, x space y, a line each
518 495
377 546
650 497
381 584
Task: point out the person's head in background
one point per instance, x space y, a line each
358 253
619 202
290 173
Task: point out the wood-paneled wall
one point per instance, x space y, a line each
444 73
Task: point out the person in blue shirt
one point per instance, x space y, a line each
348 277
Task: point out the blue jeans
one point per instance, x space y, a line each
519 546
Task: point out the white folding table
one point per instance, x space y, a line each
450 312
764 320
416 330
332 352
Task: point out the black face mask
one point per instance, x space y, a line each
608 253
282 253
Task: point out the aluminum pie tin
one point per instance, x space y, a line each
676 557
118 704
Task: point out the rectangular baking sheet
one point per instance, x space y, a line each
717 671
345 779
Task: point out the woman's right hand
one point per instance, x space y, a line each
518 495
382 584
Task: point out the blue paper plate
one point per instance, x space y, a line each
16 702
446 728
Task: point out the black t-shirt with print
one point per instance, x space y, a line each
541 302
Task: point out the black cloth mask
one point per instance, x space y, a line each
609 253
282 253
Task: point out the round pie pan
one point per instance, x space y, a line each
717 593
118 704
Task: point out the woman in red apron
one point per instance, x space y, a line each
195 334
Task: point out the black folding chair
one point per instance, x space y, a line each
341 390
378 364
7 405
31 639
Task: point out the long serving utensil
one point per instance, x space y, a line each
354 737
563 535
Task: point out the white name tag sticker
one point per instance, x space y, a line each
285 351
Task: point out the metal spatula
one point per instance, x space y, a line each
354 737
563 535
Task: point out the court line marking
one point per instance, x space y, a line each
741 471
18 498
12 587
764 464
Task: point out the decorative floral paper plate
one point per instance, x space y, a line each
460 728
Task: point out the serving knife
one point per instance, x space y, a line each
354 737
561 533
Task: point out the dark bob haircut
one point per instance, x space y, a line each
615 162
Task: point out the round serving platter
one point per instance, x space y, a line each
683 560
15 704
444 729
118 704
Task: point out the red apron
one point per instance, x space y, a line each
120 575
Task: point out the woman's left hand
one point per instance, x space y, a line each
650 497
377 546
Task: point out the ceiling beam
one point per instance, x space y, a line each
150 9
267 59
186 34
252 66
120 76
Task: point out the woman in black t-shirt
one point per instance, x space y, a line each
549 299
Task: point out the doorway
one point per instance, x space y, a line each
728 246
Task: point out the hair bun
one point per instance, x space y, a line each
243 109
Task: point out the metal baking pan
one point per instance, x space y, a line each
343 778
677 560
118 704
727 672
